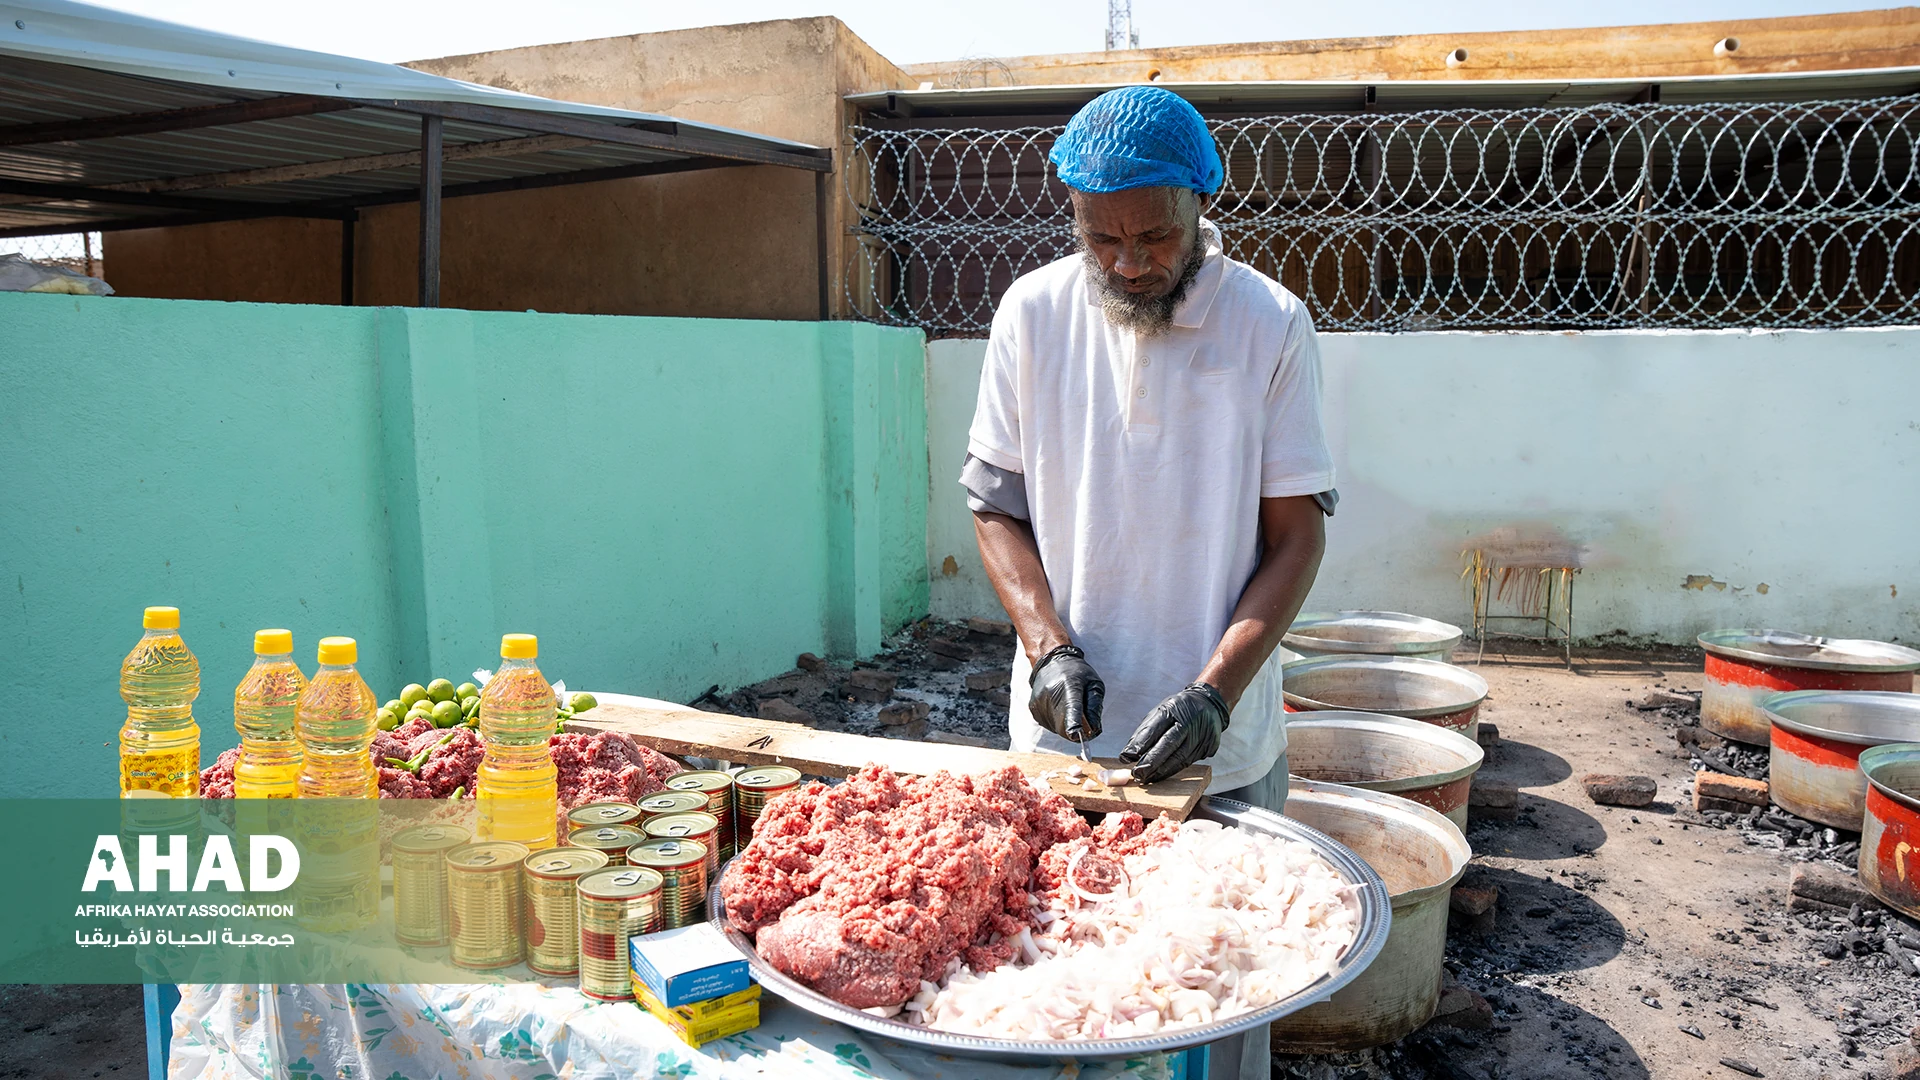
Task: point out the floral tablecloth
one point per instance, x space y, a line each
530 1031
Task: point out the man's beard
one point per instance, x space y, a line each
1146 315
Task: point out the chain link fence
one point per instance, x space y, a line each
75 251
1802 214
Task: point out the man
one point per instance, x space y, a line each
1147 469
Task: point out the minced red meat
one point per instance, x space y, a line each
590 768
863 889
607 767
395 743
216 780
452 766
401 784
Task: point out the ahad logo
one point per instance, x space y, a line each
217 865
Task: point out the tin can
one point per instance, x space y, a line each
611 840
695 825
671 802
682 865
420 882
595 815
615 904
718 788
484 902
552 916
753 789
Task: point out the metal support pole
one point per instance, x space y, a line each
430 162
348 226
822 240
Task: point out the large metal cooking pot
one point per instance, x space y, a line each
1425 690
1368 897
1745 666
1890 830
1431 765
1420 855
1374 633
1813 767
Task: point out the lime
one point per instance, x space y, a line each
440 690
467 690
413 693
388 720
446 714
581 702
424 708
396 706
469 706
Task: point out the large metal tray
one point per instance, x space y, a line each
1370 900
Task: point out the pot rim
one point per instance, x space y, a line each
1772 705
1872 758
1428 820
1420 731
1868 656
1438 636
1434 669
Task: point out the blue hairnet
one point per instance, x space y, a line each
1137 136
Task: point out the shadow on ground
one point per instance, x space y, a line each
71 1032
1573 1043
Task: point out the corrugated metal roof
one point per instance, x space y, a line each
110 120
1411 95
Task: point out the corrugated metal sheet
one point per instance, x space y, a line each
64 63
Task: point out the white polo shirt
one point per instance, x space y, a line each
1145 461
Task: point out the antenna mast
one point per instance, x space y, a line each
1120 31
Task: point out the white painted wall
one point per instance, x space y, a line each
1788 459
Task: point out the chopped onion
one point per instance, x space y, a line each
1214 923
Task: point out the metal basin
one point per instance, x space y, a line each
1425 690
1745 666
1890 830
1813 768
1431 765
1368 897
1374 633
1420 855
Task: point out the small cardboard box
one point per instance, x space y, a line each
688 964
704 1021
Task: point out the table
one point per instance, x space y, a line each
530 1030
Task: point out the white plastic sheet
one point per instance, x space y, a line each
530 1031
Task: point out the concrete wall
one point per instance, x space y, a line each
720 243
668 503
1711 479
1848 40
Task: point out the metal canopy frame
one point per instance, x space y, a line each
306 156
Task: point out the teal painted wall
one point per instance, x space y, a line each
668 503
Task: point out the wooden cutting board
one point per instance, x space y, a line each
683 732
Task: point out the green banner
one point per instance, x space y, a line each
268 891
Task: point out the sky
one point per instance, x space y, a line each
910 31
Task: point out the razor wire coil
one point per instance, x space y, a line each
1696 216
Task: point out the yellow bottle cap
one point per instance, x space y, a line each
161 618
338 650
519 647
272 642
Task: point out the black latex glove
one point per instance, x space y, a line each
1066 694
1179 731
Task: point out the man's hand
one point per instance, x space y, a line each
1066 694
1181 730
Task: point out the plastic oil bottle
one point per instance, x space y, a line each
517 794
334 722
263 712
160 744
338 889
